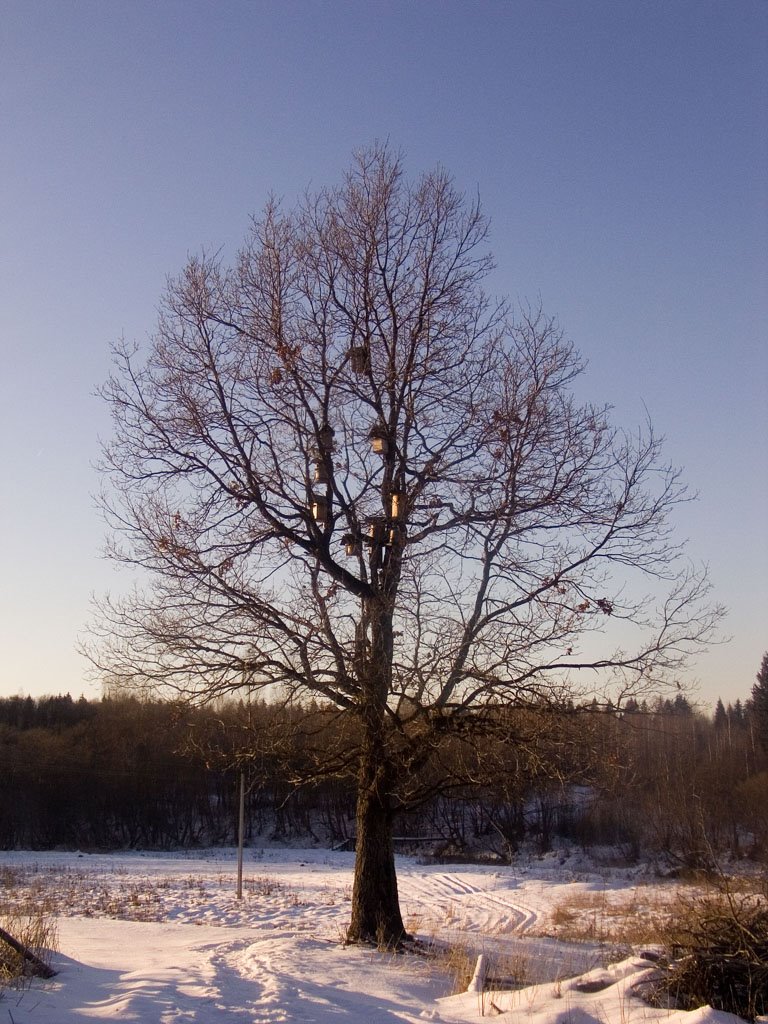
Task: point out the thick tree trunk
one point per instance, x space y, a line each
376 914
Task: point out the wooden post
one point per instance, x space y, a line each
240 836
477 984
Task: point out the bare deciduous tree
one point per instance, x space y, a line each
349 473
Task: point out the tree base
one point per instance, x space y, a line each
404 943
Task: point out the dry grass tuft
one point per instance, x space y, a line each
263 885
622 919
36 931
458 960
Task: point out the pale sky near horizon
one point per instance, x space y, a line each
619 149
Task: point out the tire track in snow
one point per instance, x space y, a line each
480 907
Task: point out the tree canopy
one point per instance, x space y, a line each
350 473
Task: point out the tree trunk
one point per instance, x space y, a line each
376 914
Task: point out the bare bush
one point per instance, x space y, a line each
719 946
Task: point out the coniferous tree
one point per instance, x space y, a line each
721 716
760 703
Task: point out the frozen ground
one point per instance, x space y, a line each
157 939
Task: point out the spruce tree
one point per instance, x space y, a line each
760 703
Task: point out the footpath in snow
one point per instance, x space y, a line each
158 939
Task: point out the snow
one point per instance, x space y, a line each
162 939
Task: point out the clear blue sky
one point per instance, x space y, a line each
619 147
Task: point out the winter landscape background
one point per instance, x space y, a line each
162 939
619 151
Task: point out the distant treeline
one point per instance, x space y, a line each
665 781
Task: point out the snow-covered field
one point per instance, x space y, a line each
162 939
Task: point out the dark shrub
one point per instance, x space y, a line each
719 950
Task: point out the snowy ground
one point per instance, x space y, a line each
159 939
